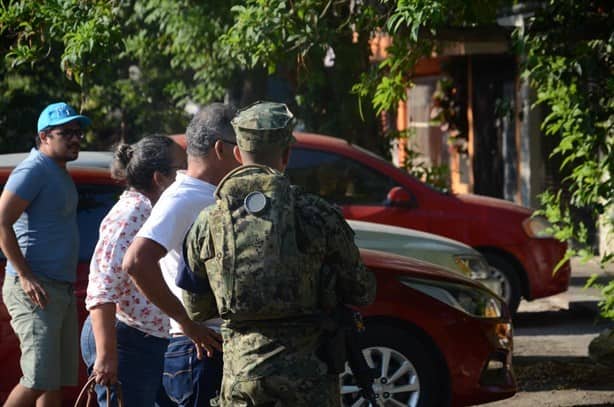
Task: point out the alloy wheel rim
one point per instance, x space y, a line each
506 292
396 384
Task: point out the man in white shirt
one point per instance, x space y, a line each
156 255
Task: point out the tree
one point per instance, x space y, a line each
135 65
132 65
295 36
570 62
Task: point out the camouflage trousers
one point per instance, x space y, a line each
281 391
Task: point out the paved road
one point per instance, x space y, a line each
551 338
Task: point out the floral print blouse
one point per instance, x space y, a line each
108 283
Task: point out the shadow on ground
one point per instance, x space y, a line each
580 319
580 281
540 373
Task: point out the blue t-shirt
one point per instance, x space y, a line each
47 230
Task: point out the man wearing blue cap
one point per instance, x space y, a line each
39 237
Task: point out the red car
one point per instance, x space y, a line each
433 337
520 252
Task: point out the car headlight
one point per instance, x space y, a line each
474 267
537 227
470 300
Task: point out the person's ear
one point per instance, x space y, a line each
218 148
237 153
158 179
42 135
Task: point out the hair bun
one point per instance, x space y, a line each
121 160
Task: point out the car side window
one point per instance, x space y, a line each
337 179
95 201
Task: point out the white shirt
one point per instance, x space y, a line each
169 222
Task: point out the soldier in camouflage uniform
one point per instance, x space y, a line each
272 260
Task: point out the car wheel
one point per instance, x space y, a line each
405 371
505 274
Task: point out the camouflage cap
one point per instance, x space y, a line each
263 125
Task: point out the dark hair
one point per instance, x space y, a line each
211 123
136 163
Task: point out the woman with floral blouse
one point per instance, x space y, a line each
125 336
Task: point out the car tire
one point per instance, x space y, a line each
405 370
504 272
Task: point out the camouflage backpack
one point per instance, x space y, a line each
253 262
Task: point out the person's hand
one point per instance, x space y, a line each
33 289
105 370
204 338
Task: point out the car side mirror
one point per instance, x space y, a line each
399 197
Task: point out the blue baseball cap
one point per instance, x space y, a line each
60 113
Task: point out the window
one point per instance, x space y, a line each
95 201
338 179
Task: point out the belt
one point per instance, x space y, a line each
176 335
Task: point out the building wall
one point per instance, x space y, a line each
505 155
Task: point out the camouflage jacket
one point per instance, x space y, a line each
282 330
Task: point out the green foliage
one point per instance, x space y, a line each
448 110
133 66
437 176
607 291
290 40
49 50
570 63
